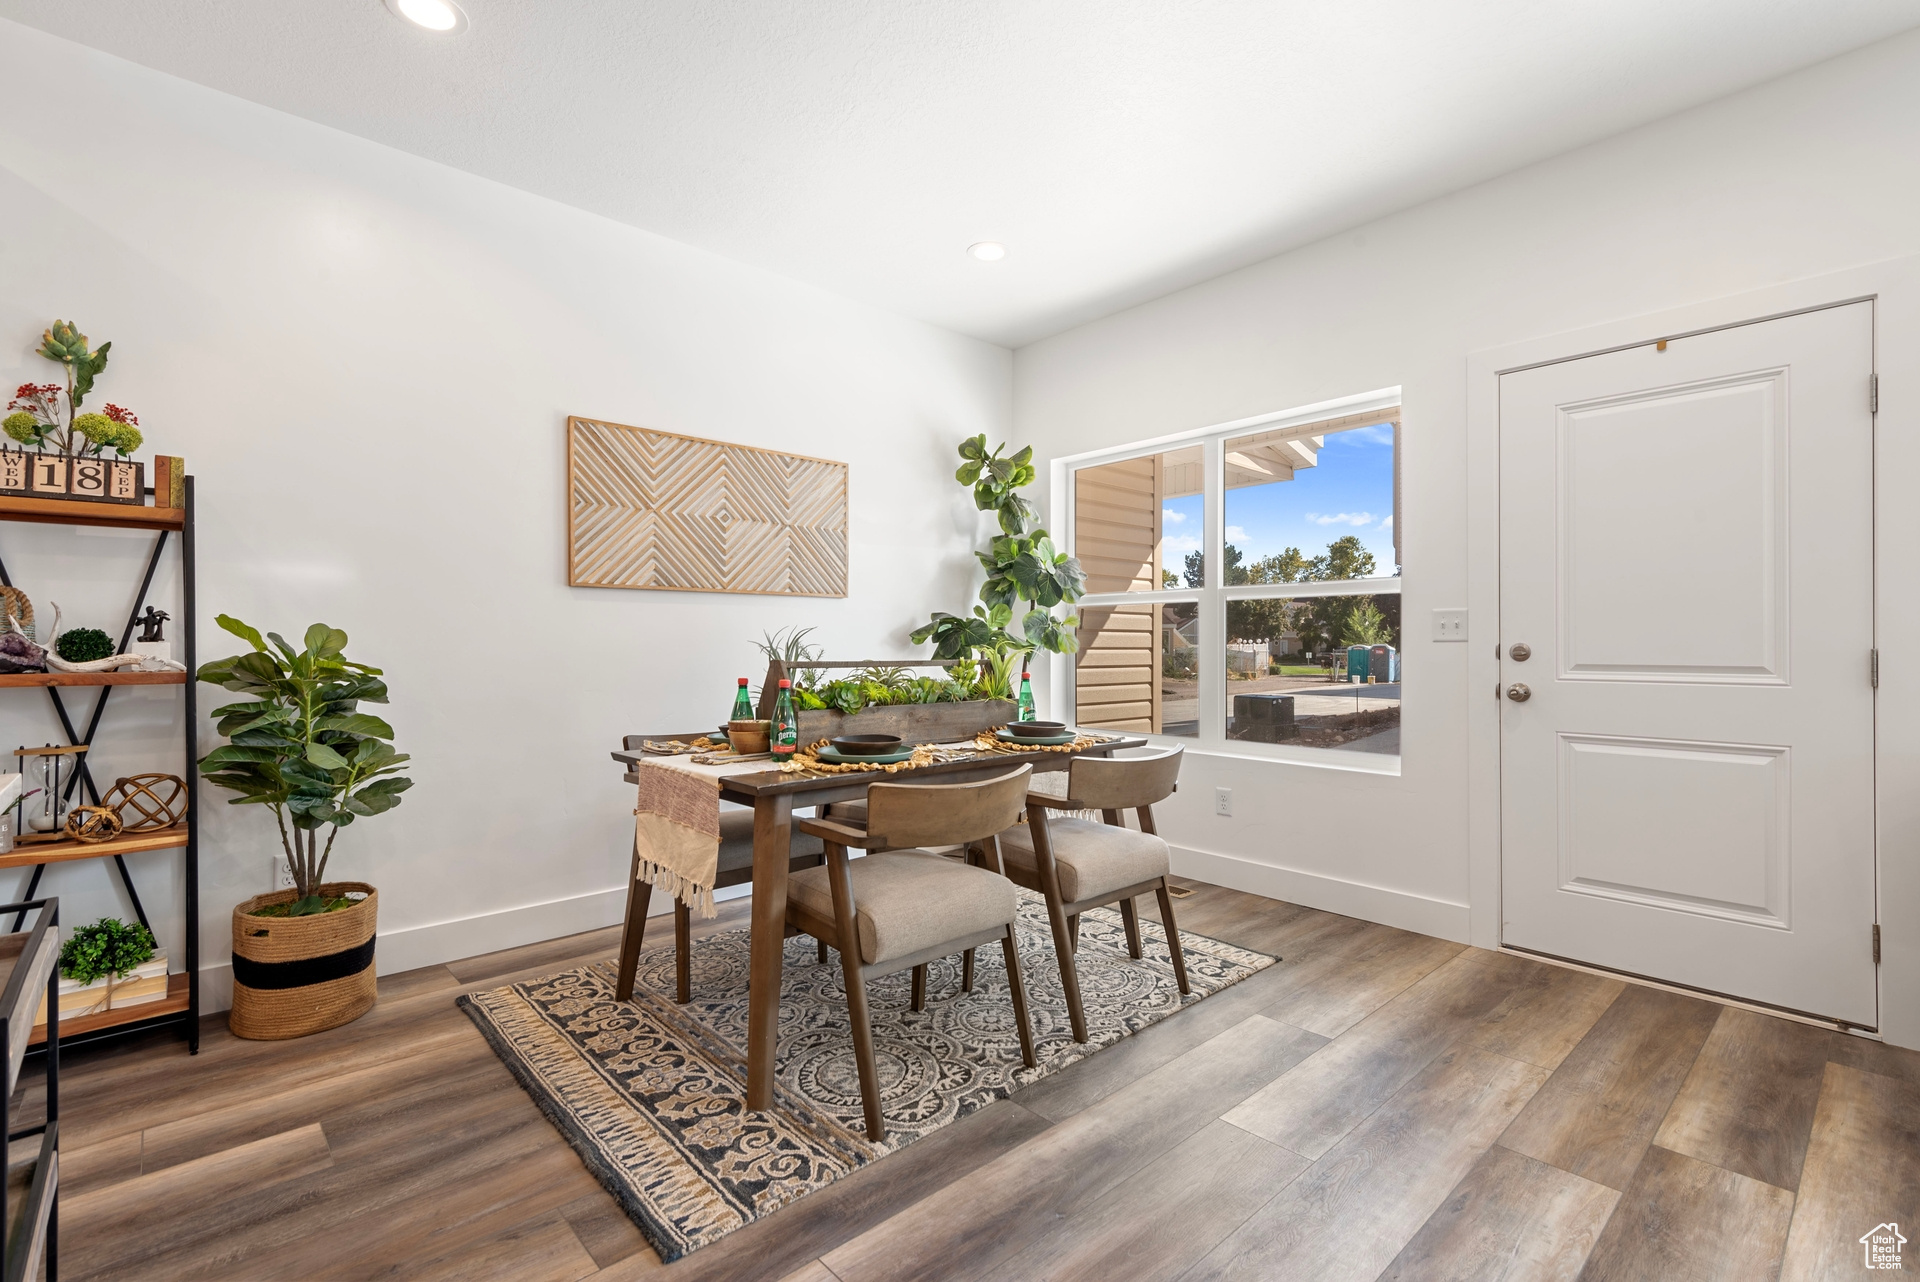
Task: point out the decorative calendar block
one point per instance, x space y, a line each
169 481
87 478
47 474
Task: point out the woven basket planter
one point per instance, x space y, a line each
298 975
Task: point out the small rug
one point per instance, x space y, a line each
651 1094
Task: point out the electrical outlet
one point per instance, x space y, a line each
1223 801
1449 625
282 876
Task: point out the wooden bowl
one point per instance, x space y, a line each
866 745
1036 729
749 737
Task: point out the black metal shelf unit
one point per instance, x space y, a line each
29 1194
179 1006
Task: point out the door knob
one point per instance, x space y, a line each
1519 693
1520 652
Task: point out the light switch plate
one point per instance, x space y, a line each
1449 625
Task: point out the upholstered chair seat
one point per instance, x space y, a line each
1091 859
910 900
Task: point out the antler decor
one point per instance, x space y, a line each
138 662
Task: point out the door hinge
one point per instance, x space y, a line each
1876 943
1873 668
1873 393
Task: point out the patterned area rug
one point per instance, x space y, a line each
651 1094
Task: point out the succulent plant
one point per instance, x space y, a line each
65 343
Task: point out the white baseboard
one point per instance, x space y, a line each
445 941
1435 917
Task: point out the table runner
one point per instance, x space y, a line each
676 826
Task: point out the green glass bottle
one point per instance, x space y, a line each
742 705
786 726
1026 696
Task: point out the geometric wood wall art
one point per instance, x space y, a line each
649 509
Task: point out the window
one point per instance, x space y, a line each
1245 585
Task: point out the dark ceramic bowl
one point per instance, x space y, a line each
866 745
1036 729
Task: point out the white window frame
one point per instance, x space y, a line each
1212 598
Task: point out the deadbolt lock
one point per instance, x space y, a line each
1519 693
1520 652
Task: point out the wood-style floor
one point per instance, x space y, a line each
1380 1105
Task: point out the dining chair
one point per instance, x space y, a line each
1080 864
735 869
907 907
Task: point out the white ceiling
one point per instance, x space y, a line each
1120 148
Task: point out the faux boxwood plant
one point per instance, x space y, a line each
108 947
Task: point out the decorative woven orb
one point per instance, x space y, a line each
146 803
92 823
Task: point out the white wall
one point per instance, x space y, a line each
1809 174
367 360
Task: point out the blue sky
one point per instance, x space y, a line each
1350 491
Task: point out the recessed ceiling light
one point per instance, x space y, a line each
988 251
442 17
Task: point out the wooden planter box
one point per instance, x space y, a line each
915 723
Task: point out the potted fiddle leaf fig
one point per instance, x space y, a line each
1023 567
300 746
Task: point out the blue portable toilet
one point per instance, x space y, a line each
1359 663
1383 663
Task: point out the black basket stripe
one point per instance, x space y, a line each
301 974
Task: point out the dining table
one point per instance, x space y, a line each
774 794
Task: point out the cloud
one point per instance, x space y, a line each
1386 524
1178 545
1172 517
1236 535
1374 434
1355 519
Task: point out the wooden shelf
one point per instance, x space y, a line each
92 679
27 854
126 516
172 1004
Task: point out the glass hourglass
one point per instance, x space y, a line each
48 811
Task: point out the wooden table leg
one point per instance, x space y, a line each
772 834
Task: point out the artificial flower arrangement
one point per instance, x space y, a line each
78 454
47 413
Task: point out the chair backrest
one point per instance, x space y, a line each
1123 783
951 814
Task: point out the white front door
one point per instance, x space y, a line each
1686 548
